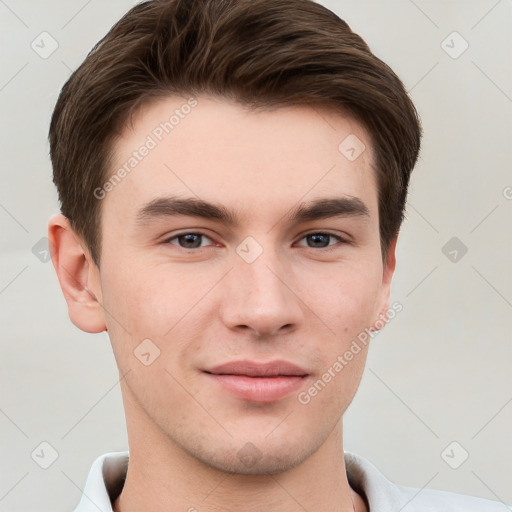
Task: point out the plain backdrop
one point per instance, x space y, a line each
434 408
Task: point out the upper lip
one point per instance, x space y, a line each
254 369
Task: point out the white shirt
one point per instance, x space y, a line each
108 472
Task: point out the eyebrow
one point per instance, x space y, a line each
163 207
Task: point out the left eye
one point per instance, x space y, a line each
321 240
189 240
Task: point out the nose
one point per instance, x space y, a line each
260 297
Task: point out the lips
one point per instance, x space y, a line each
258 382
253 369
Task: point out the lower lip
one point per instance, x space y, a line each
259 389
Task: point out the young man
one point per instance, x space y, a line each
232 177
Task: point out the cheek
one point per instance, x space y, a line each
140 299
133 311
343 297
156 305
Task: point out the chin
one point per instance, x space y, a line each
258 458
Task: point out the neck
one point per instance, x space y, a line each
163 477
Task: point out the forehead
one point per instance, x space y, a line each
220 151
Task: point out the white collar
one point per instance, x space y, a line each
108 472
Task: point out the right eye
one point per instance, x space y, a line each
190 240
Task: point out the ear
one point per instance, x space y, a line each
387 276
78 275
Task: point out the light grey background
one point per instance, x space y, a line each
439 373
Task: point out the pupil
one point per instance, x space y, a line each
191 240
319 240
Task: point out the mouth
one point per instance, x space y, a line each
258 382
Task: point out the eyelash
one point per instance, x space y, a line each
340 239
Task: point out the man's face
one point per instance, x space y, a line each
268 286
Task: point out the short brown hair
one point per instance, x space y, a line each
260 53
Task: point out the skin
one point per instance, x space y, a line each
205 306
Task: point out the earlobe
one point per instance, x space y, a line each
387 276
78 276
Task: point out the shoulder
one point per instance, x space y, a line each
382 495
104 482
430 500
